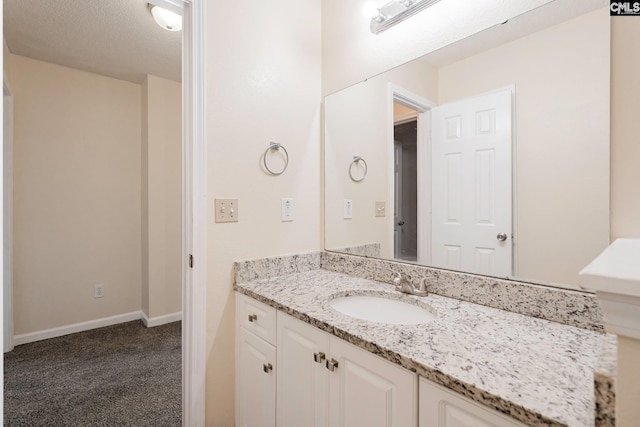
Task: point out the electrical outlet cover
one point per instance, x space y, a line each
287 206
348 209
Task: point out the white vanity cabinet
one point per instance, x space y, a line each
303 379
291 374
324 381
440 407
255 364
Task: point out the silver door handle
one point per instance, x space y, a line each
502 237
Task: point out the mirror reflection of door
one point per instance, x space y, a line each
472 184
405 183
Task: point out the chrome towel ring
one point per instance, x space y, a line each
355 161
277 147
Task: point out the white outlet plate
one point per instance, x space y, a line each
381 210
348 209
226 210
287 206
98 290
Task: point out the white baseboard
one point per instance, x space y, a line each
150 322
76 327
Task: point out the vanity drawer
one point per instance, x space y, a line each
256 317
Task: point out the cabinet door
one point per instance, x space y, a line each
440 407
302 380
367 390
256 386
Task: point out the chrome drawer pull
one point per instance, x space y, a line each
253 317
319 357
332 364
267 368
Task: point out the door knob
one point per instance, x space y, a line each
502 237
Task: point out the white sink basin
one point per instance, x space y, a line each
382 310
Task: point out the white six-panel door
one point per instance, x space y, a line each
472 184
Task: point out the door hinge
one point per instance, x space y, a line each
190 261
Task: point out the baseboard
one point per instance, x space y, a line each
150 322
76 327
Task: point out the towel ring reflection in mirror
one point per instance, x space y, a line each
356 160
275 146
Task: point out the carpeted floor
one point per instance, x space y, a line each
123 375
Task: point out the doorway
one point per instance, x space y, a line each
405 136
193 210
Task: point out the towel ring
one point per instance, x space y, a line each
277 147
355 161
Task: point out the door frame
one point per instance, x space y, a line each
423 106
7 216
194 208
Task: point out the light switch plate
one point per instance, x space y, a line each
226 210
381 210
287 206
348 209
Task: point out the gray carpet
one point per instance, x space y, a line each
123 375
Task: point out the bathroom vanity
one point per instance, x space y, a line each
301 362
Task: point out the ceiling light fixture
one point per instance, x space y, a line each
397 11
167 19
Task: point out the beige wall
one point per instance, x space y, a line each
77 195
625 176
351 53
267 88
358 123
625 128
161 197
561 78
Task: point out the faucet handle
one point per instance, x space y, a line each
422 288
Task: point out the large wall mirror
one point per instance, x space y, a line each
489 156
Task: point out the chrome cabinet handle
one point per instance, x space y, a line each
332 364
319 357
267 367
502 237
253 317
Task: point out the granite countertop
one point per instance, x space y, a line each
539 372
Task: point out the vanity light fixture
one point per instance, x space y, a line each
165 18
397 11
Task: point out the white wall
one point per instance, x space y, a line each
561 76
161 197
358 123
263 84
76 195
351 53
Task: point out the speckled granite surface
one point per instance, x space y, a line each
368 250
558 305
604 383
536 371
275 266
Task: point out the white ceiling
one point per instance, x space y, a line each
115 38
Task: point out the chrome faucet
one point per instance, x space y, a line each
405 285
